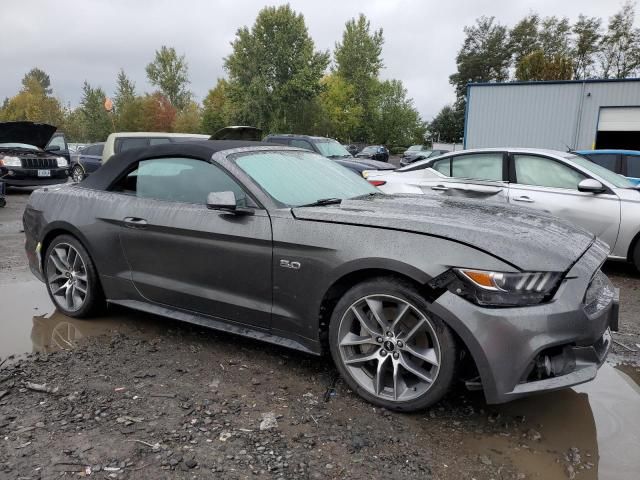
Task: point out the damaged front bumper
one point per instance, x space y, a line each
524 350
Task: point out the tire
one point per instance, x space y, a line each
77 173
69 271
636 256
416 355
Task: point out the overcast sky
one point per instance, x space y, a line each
74 40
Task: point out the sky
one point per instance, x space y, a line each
78 40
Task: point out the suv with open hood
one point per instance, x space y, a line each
27 158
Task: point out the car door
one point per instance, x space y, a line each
183 255
91 158
631 165
547 184
473 175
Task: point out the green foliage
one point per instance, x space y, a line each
38 76
98 123
397 120
189 119
274 70
340 114
448 125
523 37
33 102
585 45
215 108
158 113
554 37
620 45
537 67
125 91
170 73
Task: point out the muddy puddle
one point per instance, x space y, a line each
591 431
33 325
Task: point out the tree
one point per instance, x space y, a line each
447 125
32 103
358 60
554 37
125 91
158 112
215 108
170 73
97 121
397 122
620 46
538 67
523 37
585 46
38 76
484 56
274 70
74 126
341 114
189 119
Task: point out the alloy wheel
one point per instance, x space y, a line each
67 277
389 347
77 174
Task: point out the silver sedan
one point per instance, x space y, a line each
566 185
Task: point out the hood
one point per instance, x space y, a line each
238 132
526 239
373 164
37 134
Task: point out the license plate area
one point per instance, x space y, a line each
44 173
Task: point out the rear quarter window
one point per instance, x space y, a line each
124 144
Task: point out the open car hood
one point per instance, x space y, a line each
238 132
529 240
37 134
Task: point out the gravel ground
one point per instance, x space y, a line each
185 402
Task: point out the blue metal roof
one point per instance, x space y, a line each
551 82
610 152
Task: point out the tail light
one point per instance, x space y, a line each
377 183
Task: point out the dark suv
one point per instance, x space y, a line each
31 155
327 147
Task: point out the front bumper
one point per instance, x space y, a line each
512 347
26 177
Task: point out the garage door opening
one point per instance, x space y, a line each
618 128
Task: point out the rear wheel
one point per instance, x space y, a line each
636 256
71 277
389 348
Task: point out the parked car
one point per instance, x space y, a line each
209 233
624 162
86 161
123 141
352 149
30 155
374 152
329 148
419 152
563 184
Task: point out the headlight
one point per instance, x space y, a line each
62 162
10 161
500 289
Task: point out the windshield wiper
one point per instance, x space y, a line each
322 202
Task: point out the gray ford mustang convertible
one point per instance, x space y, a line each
282 245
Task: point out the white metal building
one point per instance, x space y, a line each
557 114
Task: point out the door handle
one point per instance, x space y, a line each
440 188
134 222
524 199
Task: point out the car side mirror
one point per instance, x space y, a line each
226 201
53 148
590 185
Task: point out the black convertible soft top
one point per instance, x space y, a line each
202 150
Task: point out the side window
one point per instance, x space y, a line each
607 161
158 141
545 172
99 149
443 166
179 180
633 166
301 144
124 144
93 150
480 166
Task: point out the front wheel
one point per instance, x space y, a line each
636 256
389 348
77 174
72 280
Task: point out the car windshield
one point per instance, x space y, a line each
19 145
369 150
613 178
295 178
415 148
331 148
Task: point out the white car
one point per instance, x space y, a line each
564 184
121 141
